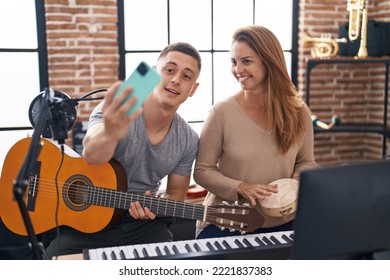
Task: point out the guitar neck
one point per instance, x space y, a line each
122 200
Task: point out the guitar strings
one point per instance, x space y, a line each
121 199
46 188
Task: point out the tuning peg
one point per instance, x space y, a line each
246 204
243 232
232 230
236 202
222 228
225 203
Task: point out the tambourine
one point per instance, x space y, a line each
285 201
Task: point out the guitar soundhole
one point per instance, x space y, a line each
75 192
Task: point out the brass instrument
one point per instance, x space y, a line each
323 47
358 12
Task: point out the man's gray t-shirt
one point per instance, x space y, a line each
146 164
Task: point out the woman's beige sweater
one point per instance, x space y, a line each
234 149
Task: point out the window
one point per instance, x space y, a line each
146 27
23 67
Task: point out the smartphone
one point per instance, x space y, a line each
143 80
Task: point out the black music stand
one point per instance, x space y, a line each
21 181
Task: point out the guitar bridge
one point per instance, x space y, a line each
33 182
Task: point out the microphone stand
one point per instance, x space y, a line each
22 180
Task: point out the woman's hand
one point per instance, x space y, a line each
256 192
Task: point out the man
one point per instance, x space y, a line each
150 144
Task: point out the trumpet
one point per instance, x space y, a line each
323 47
358 24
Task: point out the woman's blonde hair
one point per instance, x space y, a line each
283 104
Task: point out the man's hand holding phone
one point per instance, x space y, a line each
142 80
124 100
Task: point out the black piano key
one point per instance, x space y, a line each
219 246
166 250
239 244
145 252
267 241
197 247
122 254
287 239
247 243
188 248
275 240
113 256
136 254
104 256
210 246
158 251
227 246
174 248
258 240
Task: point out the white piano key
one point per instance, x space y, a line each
196 246
151 250
278 235
203 244
100 252
127 252
93 254
138 253
153 247
115 250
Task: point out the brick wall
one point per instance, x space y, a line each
82 46
83 56
355 93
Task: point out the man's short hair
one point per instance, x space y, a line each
182 47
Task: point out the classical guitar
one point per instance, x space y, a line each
91 198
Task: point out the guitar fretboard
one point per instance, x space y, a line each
122 200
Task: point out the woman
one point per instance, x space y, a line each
260 134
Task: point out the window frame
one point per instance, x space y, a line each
41 50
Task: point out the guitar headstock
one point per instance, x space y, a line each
237 217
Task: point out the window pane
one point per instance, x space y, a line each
146 25
196 108
197 127
224 82
18 27
19 77
229 15
276 15
187 26
8 139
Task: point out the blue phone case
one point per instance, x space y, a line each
143 80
